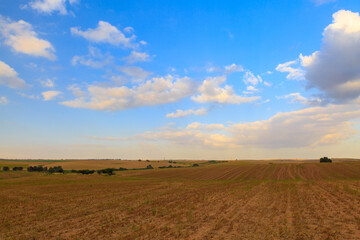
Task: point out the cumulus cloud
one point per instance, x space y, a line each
137 57
335 68
9 77
105 33
250 78
48 83
50 95
295 73
233 68
94 59
3 100
21 37
183 113
156 91
210 91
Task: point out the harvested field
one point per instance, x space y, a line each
234 200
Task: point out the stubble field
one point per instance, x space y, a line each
233 200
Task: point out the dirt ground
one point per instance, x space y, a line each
234 200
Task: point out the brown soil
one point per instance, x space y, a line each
236 200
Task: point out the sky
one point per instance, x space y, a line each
179 79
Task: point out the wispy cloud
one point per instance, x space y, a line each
50 95
94 59
137 57
183 113
3 100
294 73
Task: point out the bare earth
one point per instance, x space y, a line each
234 200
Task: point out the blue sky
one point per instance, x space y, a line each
179 79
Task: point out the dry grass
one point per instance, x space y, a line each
236 200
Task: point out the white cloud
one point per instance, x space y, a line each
49 6
105 33
307 127
21 37
76 90
250 78
28 96
294 73
268 84
205 127
129 30
297 98
9 77
50 95
48 83
210 91
183 113
3 100
335 69
233 68
156 91
94 59
252 89
136 73
211 69
310 127
137 57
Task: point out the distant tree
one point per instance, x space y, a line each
149 167
195 165
17 168
325 160
6 168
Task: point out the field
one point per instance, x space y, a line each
233 200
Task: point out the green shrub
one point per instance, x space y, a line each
325 160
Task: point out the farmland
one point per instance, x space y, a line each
232 200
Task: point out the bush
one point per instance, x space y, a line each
149 167
57 169
195 165
6 168
108 171
17 168
85 171
325 160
